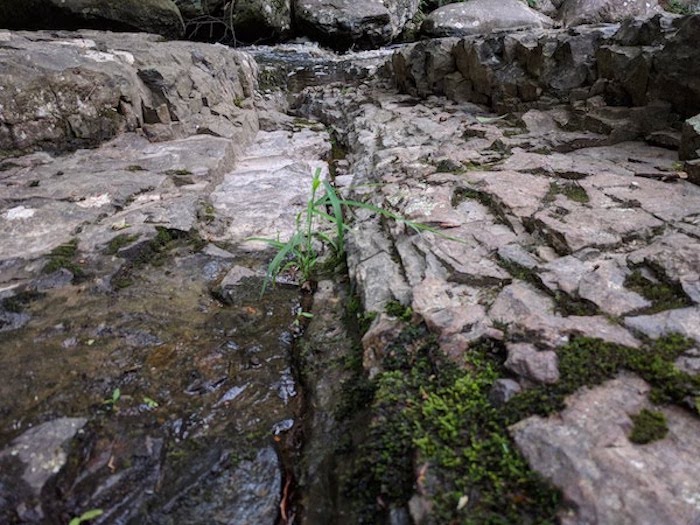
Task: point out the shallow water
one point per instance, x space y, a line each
202 387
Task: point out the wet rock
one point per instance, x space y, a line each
586 452
41 450
526 361
247 493
577 12
480 17
12 320
233 278
151 16
503 390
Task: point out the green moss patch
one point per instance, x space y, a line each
571 190
664 295
649 425
64 256
119 242
429 415
588 362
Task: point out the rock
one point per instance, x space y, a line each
585 451
528 362
577 12
684 321
152 16
530 315
677 70
41 450
84 88
480 17
259 20
678 256
268 187
503 390
364 23
690 139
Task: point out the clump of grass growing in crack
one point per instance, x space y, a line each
322 224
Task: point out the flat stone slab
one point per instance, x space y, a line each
269 186
585 451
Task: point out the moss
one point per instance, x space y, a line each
571 190
179 172
664 295
649 425
134 167
64 256
588 362
462 194
156 252
450 166
118 242
427 409
564 304
396 309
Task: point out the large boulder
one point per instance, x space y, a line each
255 20
577 12
482 16
152 16
342 24
71 90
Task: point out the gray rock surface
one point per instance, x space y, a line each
585 451
577 12
80 89
152 16
690 139
528 362
482 17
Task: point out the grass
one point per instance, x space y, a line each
320 226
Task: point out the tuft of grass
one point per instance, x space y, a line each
322 224
649 425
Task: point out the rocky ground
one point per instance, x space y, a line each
530 357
